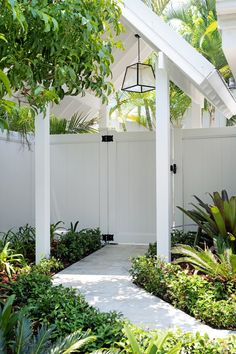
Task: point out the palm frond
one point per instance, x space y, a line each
79 123
23 335
72 343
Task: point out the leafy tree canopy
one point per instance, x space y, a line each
53 48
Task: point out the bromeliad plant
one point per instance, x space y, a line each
217 220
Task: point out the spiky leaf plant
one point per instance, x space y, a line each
222 266
217 220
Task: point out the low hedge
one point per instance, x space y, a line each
74 246
212 302
66 310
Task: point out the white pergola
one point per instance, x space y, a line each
176 61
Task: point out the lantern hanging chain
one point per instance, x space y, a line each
138 36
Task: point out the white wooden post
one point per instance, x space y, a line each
163 151
42 185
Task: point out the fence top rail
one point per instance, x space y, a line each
208 133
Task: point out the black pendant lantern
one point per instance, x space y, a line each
139 77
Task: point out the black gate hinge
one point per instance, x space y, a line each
173 168
107 138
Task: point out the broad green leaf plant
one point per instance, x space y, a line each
217 220
50 49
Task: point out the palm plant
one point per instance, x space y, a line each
17 336
129 106
221 266
78 124
197 23
218 221
158 6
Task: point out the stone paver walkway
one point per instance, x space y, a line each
104 280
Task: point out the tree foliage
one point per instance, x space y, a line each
49 49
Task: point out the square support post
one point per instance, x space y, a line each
42 185
163 152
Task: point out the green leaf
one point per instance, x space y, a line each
6 82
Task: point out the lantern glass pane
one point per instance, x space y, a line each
146 76
131 78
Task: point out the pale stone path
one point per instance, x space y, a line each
104 280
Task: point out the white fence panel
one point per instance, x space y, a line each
75 179
16 183
132 187
209 163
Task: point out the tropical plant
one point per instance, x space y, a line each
222 266
73 226
154 346
75 245
22 241
78 124
218 221
197 23
158 6
54 228
135 107
48 266
211 300
57 125
66 309
52 49
9 259
17 336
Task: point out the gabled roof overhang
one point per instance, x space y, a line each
192 72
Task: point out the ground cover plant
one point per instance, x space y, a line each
66 310
211 300
18 335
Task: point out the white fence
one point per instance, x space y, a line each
112 185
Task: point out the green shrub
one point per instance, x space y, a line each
177 236
213 302
76 245
17 335
48 266
189 343
66 310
